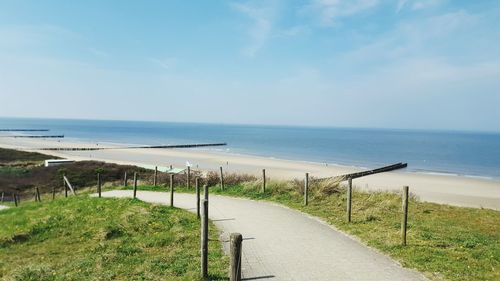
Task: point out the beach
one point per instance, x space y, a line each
446 189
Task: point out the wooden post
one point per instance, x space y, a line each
263 180
221 179
135 185
204 240
156 176
14 197
188 177
171 190
3 195
125 180
235 256
37 194
404 220
53 192
65 187
99 184
197 184
306 190
205 191
349 199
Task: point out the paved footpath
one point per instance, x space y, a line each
283 244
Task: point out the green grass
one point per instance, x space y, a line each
444 242
82 238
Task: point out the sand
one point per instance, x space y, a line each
453 190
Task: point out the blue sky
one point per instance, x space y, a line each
427 64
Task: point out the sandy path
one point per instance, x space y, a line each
3 207
283 244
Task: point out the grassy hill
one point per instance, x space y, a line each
82 238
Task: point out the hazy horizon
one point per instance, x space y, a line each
390 64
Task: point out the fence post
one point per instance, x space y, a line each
37 194
221 179
263 180
306 190
349 199
171 190
405 215
204 240
197 184
3 195
188 177
65 187
156 176
135 185
99 184
14 197
125 180
205 191
235 255
53 192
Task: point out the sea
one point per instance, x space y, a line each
472 154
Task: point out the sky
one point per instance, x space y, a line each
414 64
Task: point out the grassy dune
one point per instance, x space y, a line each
444 242
82 238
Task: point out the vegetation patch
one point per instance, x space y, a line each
82 238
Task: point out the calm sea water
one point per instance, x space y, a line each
462 153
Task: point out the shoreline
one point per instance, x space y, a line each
439 188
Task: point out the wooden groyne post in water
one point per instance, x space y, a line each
235 250
135 185
349 199
404 220
204 239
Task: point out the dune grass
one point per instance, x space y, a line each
82 238
444 242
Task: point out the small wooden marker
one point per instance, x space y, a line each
14 197
155 179
125 180
349 199
306 190
221 179
135 185
53 192
99 184
3 195
404 220
263 180
204 240
37 194
197 185
188 177
235 250
171 190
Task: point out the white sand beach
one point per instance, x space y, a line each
453 190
